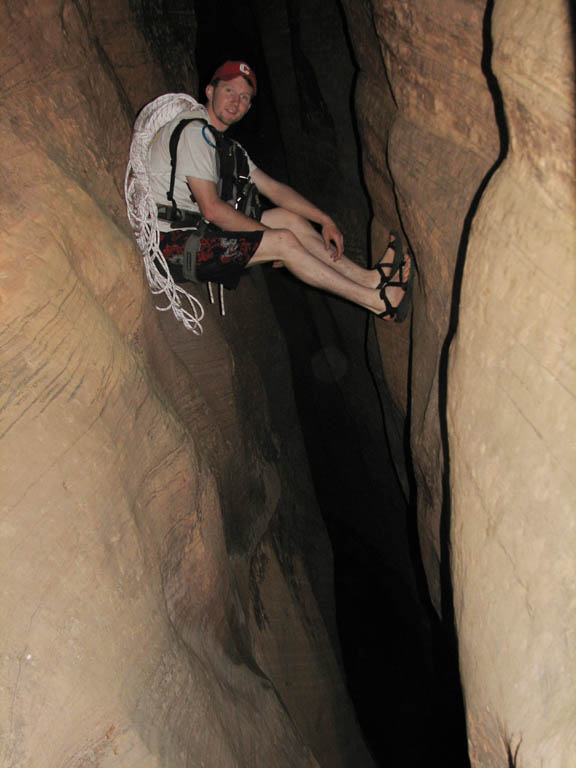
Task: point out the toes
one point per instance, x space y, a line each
405 268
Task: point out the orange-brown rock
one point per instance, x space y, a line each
157 524
167 598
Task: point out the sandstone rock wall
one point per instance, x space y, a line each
426 119
162 602
160 545
443 100
512 416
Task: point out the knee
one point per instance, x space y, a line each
284 245
284 239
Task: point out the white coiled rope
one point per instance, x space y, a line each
142 211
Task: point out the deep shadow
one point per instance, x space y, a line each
391 649
572 12
447 743
398 664
446 518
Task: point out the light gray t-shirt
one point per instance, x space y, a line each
196 158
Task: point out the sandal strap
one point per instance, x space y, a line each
394 244
398 284
384 278
390 310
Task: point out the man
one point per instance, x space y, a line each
234 242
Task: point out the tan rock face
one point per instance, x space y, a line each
159 538
429 138
512 419
147 495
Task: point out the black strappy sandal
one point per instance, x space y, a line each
393 265
399 313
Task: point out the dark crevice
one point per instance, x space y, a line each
500 119
446 517
399 665
169 27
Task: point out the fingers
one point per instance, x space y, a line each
333 240
331 245
339 242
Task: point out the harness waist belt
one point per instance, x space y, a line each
186 218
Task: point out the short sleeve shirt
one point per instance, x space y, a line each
196 158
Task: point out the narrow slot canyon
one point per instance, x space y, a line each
306 536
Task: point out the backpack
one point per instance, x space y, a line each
234 185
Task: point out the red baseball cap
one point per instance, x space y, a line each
231 69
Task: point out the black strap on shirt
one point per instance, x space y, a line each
174 139
234 186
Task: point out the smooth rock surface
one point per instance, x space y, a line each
167 595
156 501
512 418
444 101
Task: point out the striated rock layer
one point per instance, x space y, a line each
162 560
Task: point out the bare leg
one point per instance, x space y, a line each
279 218
283 245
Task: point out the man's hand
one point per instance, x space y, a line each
333 239
285 197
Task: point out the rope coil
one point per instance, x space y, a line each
142 211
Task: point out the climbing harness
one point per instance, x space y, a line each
142 210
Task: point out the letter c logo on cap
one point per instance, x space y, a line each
245 69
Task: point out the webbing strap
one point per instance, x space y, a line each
174 139
232 161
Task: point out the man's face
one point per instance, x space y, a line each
228 102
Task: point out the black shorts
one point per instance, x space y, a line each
222 257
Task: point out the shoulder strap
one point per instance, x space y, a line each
234 170
242 167
232 161
174 139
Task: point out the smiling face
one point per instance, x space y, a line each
228 102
